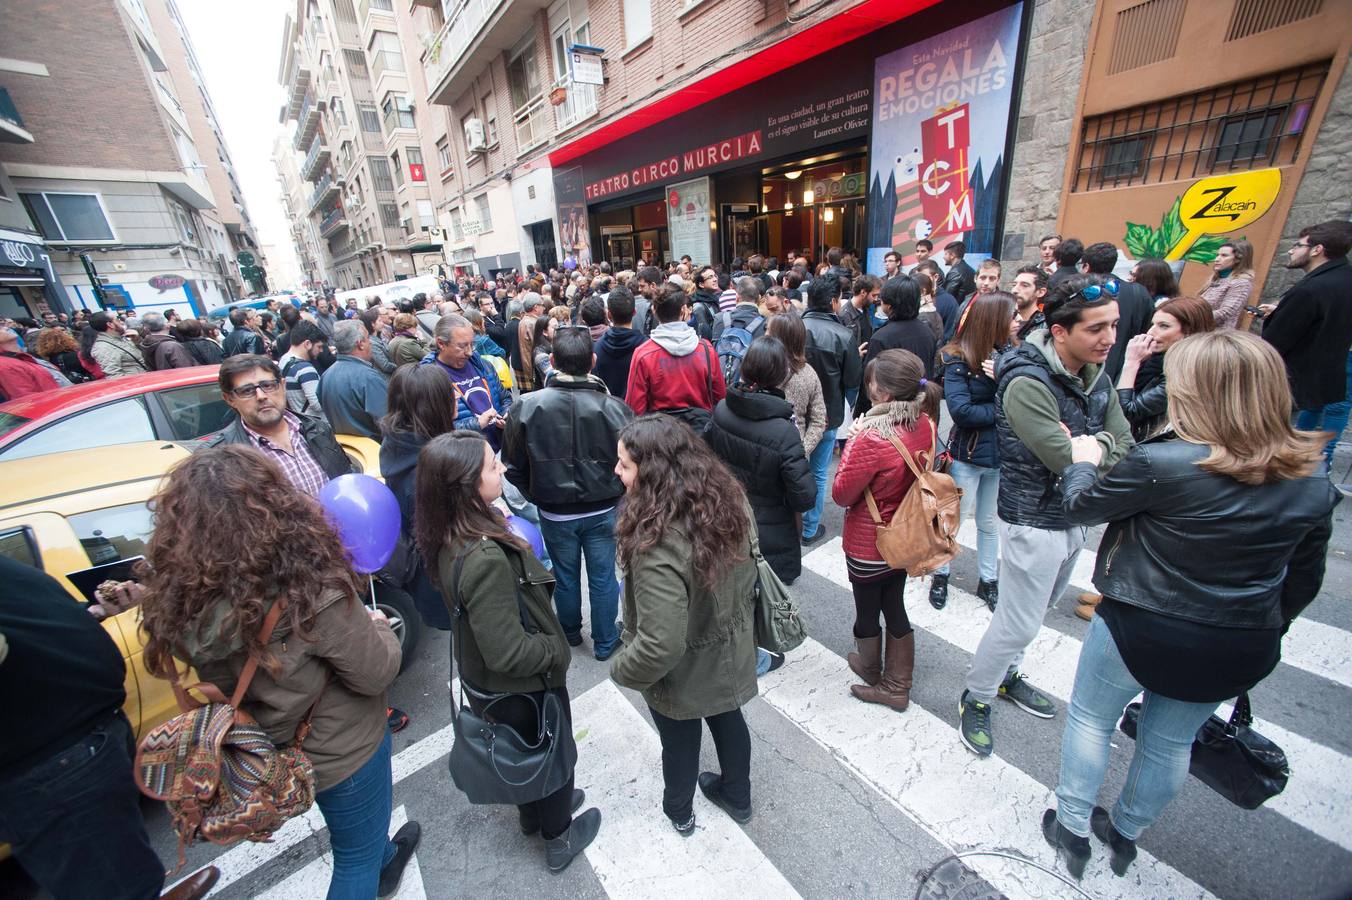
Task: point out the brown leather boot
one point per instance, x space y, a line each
194 886
868 662
894 689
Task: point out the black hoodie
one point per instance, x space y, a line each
613 350
399 467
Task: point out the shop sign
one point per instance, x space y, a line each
164 283
940 123
19 253
838 187
471 227
585 65
688 220
693 160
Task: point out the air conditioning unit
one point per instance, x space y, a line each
437 233
476 139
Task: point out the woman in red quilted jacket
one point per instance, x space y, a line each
906 405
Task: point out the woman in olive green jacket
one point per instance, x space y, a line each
684 539
482 568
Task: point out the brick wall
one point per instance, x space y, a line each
98 109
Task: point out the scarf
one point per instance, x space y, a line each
885 417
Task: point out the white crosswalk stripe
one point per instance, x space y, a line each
1309 645
914 760
1318 796
313 879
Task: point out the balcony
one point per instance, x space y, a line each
334 222
11 123
385 61
328 189
532 125
297 90
315 160
307 124
579 105
364 8
474 30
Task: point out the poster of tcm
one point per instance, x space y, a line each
940 118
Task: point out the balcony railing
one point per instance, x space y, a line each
580 103
307 124
463 23
365 6
532 125
318 155
331 223
399 118
386 61
326 189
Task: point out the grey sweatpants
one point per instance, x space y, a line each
1035 568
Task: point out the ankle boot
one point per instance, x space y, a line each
1075 848
559 851
938 594
894 689
868 662
1122 849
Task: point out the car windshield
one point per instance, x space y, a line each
9 422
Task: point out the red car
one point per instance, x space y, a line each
175 405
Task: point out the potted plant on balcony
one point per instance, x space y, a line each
558 95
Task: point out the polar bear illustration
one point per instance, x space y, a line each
907 167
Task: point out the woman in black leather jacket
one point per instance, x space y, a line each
1184 617
1140 387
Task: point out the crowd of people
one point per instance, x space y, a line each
668 425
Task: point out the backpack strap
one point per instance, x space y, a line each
910 463
709 363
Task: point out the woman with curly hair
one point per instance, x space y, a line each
204 605
684 537
58 347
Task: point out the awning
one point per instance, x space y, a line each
424 248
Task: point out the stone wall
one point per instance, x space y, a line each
1051 87
1324 191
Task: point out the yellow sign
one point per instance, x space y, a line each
1223 203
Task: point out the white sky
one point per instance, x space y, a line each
239 47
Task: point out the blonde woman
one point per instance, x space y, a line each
1231 282
1184 617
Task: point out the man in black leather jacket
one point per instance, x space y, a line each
961 278
833 353
559 447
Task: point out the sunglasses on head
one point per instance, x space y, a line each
1092 293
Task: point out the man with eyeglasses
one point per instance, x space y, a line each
304 447
1312 329
481 402
1051 388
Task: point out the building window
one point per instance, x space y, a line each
523 77
336 109
427 217
385 53
457 225
398 112
69 217
369 118
490 120
398 170
444 154
638 21
380 173
485 214
389 215
416 170
1243 125
356 62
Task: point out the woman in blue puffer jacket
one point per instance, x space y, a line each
969 390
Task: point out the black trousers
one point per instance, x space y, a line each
680 759
554 812
883 597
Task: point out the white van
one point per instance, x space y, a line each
391 292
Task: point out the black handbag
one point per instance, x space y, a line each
493 763
1230 757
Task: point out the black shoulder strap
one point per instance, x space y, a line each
709 363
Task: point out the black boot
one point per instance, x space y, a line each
1123 849
989 593
406 840
559 851
938 591
1076 848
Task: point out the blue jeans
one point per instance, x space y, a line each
74 819
980 487
1159 766
568 542
820 460
357 811
1332 417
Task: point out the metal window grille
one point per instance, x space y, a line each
1243 125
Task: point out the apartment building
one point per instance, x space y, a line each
296 195
650 129
118 179
356 133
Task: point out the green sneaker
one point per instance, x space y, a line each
1016 689
975 729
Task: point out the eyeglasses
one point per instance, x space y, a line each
248 391
1300 244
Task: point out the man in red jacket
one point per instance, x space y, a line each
675 372
20 373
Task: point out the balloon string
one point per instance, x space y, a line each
372 580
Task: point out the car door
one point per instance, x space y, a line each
46 541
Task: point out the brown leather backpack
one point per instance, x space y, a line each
923 533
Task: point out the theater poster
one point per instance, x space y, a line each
941 110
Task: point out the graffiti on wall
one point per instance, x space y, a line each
1205 216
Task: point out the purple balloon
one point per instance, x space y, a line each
526 530
366 516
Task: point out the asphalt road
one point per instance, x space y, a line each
854 800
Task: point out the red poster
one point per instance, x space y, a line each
945 194
415 171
